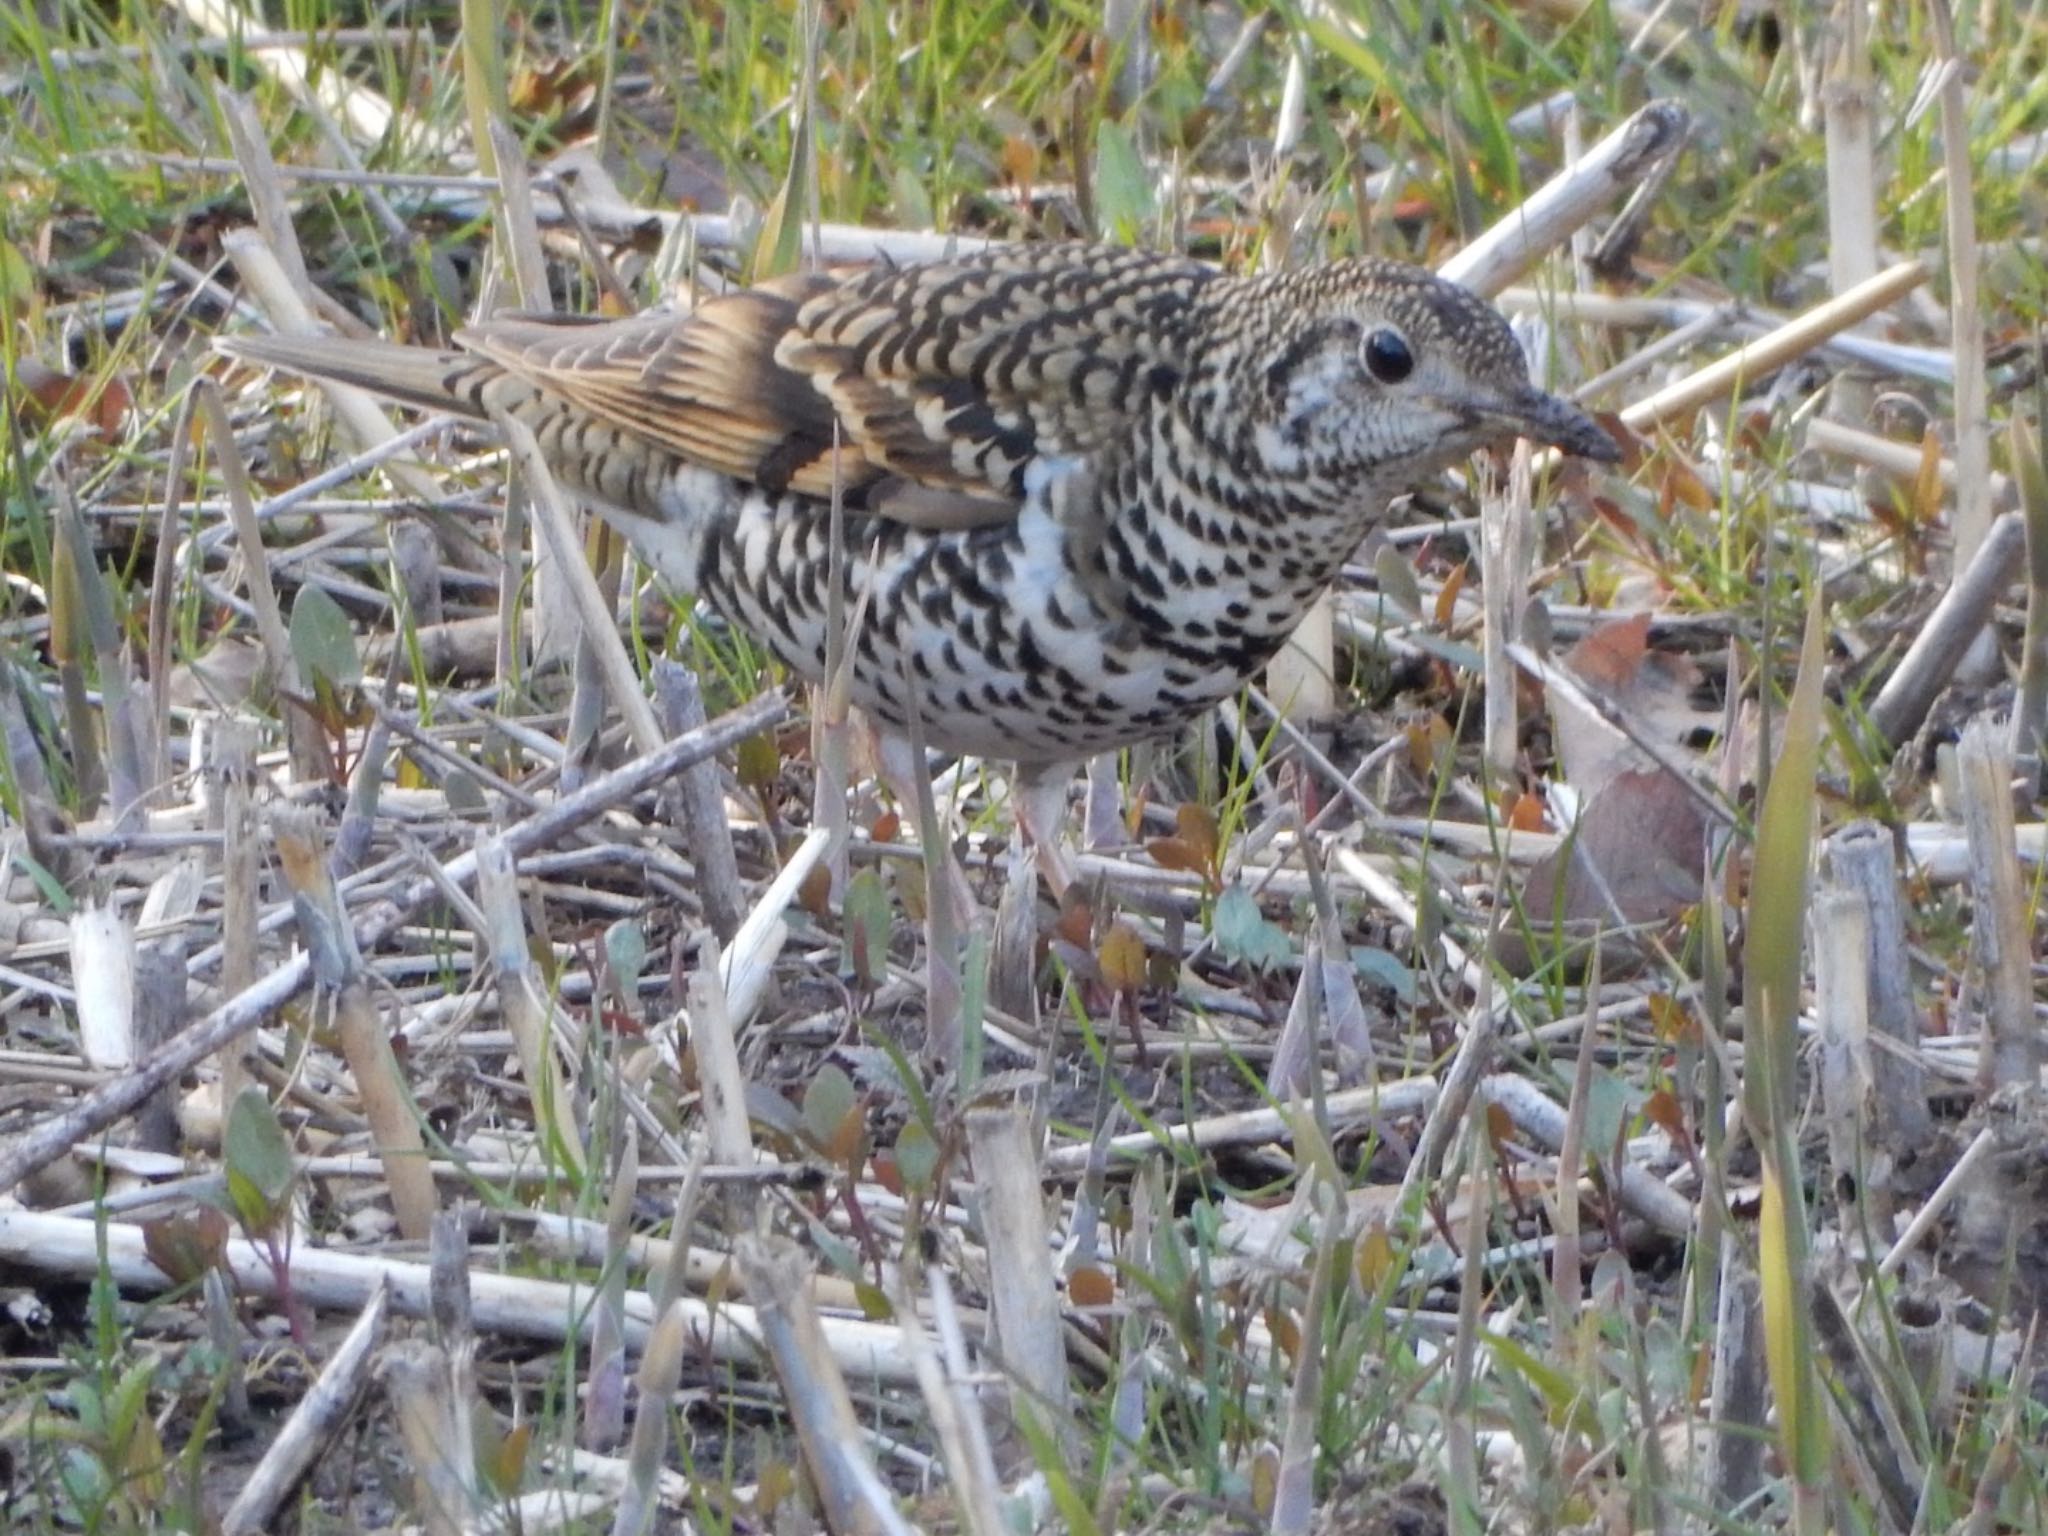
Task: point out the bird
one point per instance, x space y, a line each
1086 491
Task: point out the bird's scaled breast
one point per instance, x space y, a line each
1078 626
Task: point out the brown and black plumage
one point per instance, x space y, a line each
1089 491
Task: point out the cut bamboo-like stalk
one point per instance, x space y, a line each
1860 858
103 977
856 1500
521 1000
1773 350
1024 1291
320 1419
1741 1388
1851 176
1841 939
1972 423
513 1306
1506 520
446 1488
701 802
1569 200
719 1075
2003 919
661 1369
232 766
1931 660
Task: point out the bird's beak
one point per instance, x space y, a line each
1555 420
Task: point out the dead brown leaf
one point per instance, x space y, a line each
1634 860
1651 689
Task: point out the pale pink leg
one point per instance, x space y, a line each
1039 804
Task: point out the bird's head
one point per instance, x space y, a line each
1376 373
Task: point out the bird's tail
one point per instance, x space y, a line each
426 377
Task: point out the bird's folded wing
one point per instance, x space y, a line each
937 385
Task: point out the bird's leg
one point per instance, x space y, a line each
1038 803
1038 797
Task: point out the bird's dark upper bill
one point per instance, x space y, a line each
1554 420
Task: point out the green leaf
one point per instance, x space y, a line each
323 642
83 1398
1124 204
780 246
131 1398
2023 453
87 1483
625 951
1382 968
17 280
1776 927
1242 932
1607 1113
1775 933
913 203
866 926
259 1164
874 1305
973 1006
917 1156
828 1101
465 795
1397 580
1564 1398
48 887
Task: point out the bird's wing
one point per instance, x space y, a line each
940 384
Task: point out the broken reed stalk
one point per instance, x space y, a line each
550 1312
1847 113
2003 919
1024 1290
308 749
319 1421
856 1501
1506 552
1841 984
446 1487
1945 639
1569 200
1740 1393
361 417
1972 521
721 1080
557 522
956 1419
1860 857
2030 475
550 1082
661 1371
1901 463
231 769
337 964
700 799
1771 351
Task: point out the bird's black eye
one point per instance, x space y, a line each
1387 356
